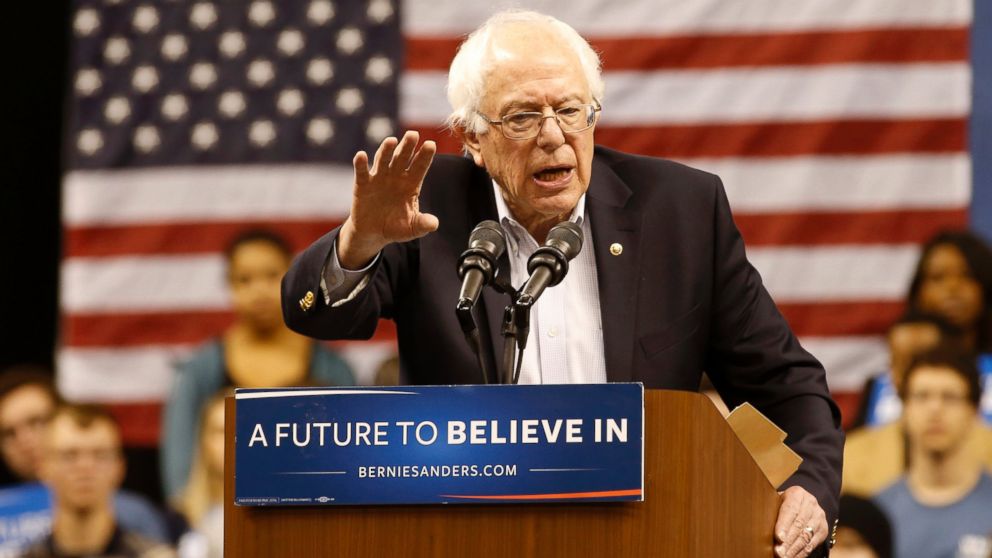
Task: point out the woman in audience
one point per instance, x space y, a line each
202 501
257 350
953 280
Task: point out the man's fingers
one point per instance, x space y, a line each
361 164
424 223
796 532
405 149
819 535
422 161
791 502
383 155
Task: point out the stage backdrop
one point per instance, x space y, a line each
839 129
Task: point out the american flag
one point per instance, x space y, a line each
839 129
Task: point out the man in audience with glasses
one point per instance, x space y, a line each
660 291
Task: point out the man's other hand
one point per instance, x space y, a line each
801 526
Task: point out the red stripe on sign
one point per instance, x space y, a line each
827 319
779 139
559 496
161 328
140 422
851 227
878 46
182 238
766 139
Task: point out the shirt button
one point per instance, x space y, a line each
553 332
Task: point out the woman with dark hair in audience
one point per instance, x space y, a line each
953 279
257 350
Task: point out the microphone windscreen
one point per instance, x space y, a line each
491 233
567 237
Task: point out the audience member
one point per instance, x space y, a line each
863 530
388 372
912 334
27 400
257 350
953 279
83 466
942 506
202 500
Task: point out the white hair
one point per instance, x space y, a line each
466 76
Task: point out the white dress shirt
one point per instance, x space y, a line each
565 344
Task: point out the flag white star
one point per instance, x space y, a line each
262 133
379 69
378 128
349 100
320 12
232 43
174 106
116 50
380 10
202 75
320 71
320 131
89 141
146 138
350 40
290 101
261 13
261 72
145 18
87 22
145 78
290 42
204 135
88 82
117 109
203 15
174 47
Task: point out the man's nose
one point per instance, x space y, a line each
550 136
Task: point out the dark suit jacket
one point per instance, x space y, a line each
680 299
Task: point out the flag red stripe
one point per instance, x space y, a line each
851 227
140 422
182 238
768 139
641 53
841 318
160 328
165 328
771 229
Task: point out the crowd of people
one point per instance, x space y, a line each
74 456
917 463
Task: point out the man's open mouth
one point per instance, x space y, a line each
553 176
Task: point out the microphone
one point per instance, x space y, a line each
477 264
549 263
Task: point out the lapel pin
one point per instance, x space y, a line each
616 248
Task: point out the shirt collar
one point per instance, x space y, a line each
506 217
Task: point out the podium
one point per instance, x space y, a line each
704 496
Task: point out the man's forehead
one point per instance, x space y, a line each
65 431
26 397
936 377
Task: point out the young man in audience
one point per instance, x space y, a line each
83 466
27 401
942 506
875 456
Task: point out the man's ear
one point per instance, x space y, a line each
471 142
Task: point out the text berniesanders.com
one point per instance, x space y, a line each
415 471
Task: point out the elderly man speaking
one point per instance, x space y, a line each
661 291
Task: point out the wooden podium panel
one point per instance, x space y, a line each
704 497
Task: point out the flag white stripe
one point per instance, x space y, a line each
849 361
191 194
727 95
678 17
853 183
137 374
755 185
95 374
195 282
835 273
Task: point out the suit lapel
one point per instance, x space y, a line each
614 222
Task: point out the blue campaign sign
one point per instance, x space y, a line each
439 444
25 517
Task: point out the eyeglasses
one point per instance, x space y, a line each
526 125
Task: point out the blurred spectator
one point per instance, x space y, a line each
914 333
258 350
863 530
953 279
83 466
942 506
202 500
388 373
27 401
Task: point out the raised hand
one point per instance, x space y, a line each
385 205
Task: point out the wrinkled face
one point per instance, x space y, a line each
907 341
256 268
82 466
542 178
949 289
24 415
937 413
213 437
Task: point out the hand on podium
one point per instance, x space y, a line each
801 526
